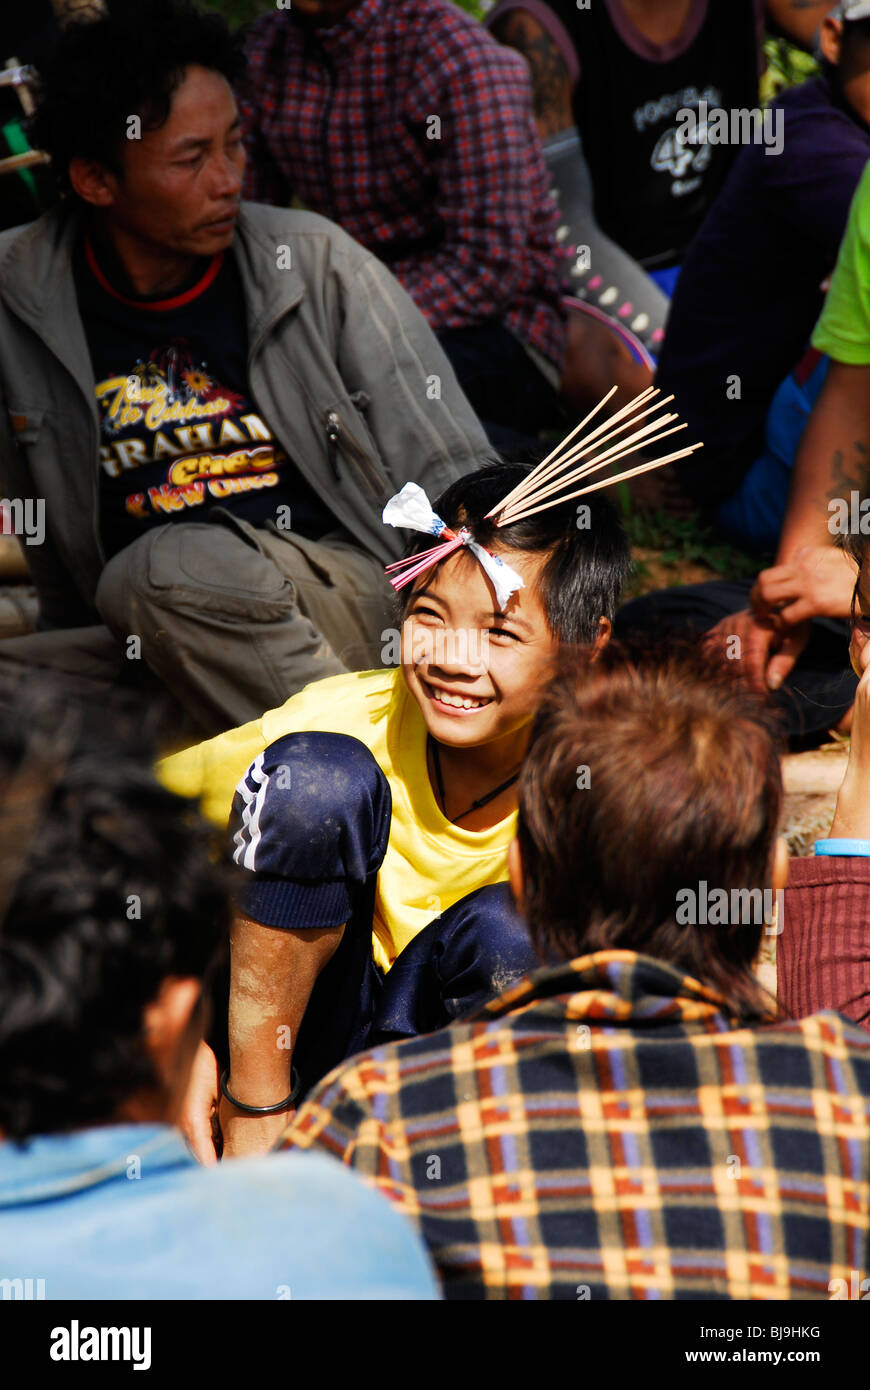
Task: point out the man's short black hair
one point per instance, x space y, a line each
107 888
125 63
588 556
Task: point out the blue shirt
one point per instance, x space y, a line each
125 1212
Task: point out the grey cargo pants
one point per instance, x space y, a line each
231 619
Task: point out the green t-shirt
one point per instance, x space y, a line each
843 331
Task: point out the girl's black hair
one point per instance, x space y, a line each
588 562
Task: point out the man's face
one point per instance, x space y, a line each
181 184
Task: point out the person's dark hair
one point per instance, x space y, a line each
855 31
647 775
587 565
107 888
125 63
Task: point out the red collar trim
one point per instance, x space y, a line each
155 306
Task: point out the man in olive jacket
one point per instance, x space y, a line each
171 357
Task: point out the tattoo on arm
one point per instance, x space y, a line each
847 478
551 83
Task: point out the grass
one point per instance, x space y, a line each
678 545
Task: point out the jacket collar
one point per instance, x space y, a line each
56 1165
269 295
616 988
36 282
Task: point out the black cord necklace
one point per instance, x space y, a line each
475 805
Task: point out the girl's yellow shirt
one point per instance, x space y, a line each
430 863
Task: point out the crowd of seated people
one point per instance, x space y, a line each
405 844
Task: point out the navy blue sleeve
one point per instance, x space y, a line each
813 181
310 825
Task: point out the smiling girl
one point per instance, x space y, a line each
377 809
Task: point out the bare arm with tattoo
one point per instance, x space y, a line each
811 578
832 460
551 81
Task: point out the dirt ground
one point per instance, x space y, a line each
661 575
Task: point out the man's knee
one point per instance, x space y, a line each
190 565
313 806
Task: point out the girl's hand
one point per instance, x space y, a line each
198 1117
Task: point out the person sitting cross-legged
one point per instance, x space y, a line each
205 403
371 814
632 1121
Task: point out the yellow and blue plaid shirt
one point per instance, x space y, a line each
605 1129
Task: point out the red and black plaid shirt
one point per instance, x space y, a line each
411 127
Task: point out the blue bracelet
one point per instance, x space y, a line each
847 849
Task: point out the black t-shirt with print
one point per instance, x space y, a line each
179 433
651 192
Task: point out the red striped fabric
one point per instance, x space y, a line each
823 954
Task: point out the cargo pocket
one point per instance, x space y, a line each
215 567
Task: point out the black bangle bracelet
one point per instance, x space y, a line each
263 1109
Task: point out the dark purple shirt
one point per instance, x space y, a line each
751 287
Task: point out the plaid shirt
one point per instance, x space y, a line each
604 1130
346 119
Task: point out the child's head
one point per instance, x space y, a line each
650 782
112 912
457 643
845 51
